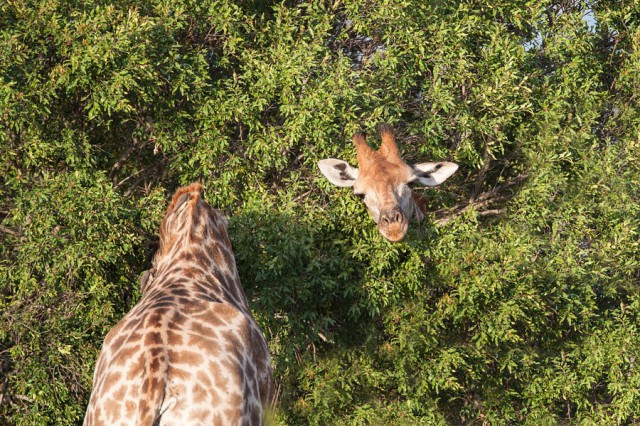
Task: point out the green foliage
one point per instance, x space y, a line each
515 302
71 272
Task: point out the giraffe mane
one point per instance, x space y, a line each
191 193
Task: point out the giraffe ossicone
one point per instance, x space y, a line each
190 352
382 179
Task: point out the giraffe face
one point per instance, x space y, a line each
382 179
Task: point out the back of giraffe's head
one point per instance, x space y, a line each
186 193
190 219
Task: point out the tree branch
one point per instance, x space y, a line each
485 199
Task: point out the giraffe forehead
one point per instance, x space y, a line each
382 176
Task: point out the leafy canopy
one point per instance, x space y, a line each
515 302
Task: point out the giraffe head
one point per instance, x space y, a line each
190 220
382 179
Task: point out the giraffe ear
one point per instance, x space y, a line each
146 279
180 201
432 174
339 172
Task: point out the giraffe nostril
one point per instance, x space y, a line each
391 217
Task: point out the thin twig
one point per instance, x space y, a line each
121 160
301 196
482 174
7 230
129 177
485 199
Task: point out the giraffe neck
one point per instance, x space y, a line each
199 257
196 270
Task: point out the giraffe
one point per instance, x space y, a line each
190 352
382 179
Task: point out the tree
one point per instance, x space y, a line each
516 301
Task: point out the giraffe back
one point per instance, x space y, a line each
190 351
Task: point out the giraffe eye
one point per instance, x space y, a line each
361 196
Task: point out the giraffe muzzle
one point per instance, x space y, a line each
393 224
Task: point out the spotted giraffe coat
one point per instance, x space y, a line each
190 352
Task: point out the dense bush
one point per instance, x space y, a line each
516 302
